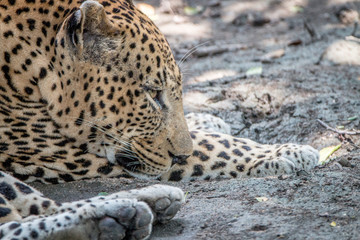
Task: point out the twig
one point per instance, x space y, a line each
213 50
337 131
352 38
218 81
355 29
311 30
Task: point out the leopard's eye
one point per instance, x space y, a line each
156 97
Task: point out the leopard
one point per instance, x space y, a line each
91 89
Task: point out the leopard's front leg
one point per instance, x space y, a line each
221 155
126 214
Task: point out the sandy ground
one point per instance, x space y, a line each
305 75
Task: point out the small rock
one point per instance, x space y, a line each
325 214
214 3
240 20
203 226
267 58
212 13
347 15
255 19
342 52
295 42
283 177
259 21
346 163
302 173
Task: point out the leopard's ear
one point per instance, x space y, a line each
90 18
130 2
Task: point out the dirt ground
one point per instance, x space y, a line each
270 69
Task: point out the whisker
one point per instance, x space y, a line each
126 150
191 51
103 130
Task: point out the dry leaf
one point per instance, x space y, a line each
254 71
325 153
261 199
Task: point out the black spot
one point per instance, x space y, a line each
42 225
218 165
8 34
158 62
39 172
29 90
176 175
66 177
267 165
23 188
14 225
225 143
18 232
93 109
105 169
80 119
4 211
208 146
7 191
237 152
7 57
16 48
233 174
198 171
70 166
144 38
223 155
240 168
34 210
45 204
87 97
43 73
34 234
31 23
247 148
200 155
152 48
52 180
21 10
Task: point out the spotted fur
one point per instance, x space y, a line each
91 89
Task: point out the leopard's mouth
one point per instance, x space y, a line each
130 163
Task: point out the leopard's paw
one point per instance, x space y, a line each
287 159
292 157
165 201
119 219
304 157
111 219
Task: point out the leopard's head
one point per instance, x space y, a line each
116 90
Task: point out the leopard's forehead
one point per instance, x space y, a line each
143 40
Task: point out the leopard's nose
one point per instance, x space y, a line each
179 159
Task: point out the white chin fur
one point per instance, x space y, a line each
110 155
